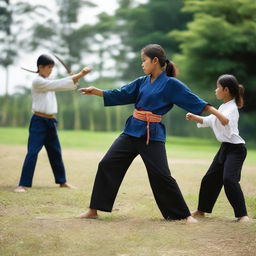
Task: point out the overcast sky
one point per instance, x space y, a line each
18 76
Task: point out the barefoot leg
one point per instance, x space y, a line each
198 213
243 219
190 219
66 185
20 189
90 214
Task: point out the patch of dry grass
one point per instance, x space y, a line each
42 221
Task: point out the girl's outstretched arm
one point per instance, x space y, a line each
194 118
91 91
212 110
79 75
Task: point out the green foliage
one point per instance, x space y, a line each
70 41
12 19
70 38
93 116
219 40
208 38
12 32
148 23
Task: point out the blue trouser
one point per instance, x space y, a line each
43 132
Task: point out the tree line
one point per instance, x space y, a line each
205 38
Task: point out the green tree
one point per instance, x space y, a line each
144 24
220 39
13 16
67 38
20 113
103 44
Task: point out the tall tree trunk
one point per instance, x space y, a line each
60 118
108 119
118 118
91 121
77 121
6 99
14 116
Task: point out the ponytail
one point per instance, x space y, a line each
171 69
240 97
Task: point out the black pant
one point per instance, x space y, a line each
224 170
113 166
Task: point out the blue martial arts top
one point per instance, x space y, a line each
157 97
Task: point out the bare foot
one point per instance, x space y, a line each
190 219
66 185
198 213
20 189
243 219
91 214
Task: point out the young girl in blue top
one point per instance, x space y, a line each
144 134
226 167
43 125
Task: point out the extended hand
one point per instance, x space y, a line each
82 73
86 70
190 116
195 118
91 90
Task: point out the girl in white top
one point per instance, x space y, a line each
226 167
43 125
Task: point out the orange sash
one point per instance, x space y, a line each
148 117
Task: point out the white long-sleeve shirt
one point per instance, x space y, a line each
43 93
228 133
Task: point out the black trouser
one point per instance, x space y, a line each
224 170
112 169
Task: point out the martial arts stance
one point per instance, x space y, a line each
226 167
144 134
43 125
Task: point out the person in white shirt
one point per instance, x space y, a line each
43 125
226 167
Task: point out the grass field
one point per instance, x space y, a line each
43 220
